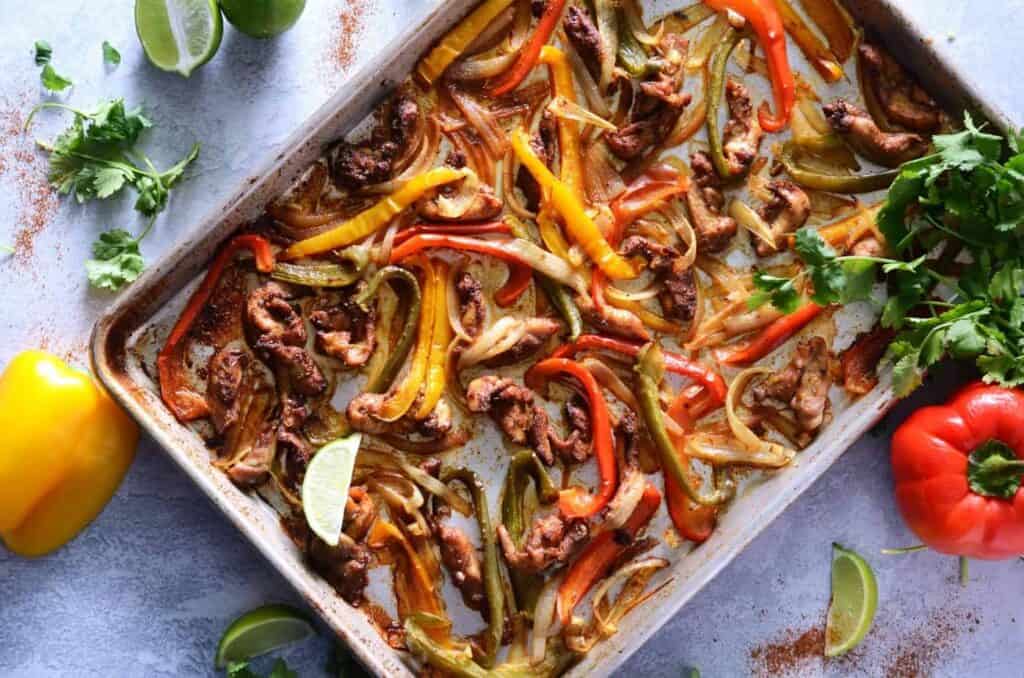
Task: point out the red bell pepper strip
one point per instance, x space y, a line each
692 520
766 21
600 554
576 502
646 193
431 228
773 336
529 55
957 470
519 279
185 403
675 363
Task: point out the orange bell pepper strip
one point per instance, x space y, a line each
600 554
452 45
402 398
530 52
576 502
373 219
693 521
581 227
66 447
422 589
440 336
646 193
766 21
568 130
674 362
175 391
773 336
820 56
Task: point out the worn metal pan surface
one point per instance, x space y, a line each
126 338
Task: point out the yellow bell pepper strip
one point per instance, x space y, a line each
376 217
175 391
810 44
581 227
452 45
530 52
399 402
66 447
568 130
551 234
441 335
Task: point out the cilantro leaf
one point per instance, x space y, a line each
110 55
43 52
52 80
781 292
111 123
117 260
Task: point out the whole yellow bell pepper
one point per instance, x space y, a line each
65 447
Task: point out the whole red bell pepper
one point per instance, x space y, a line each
576 502
957 469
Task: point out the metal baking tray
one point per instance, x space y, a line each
127 336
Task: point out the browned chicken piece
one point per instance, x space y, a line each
705 202
270 314
253 469
607 318
584 38
363 414
869 246
802 385
345 330
889 149
551 541
343 566
224 383
294 411
303 374
355 166
576 447
514 409
538 331
626 439
901 98
453 202
472 306
463 562
678 296
785 213
543 144
859 363
742 135
360 512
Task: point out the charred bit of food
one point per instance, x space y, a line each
785 213
585 38
803 386
356 166
227 369
281 337
364 410
472 307
742 135
902 99
463 562
345 330
253 469
705 201
613 320
449 205
343 566
889 149
551 541
678 297
859 363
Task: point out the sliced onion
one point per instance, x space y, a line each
483 67
635 22
676 216
746 217
547 263
707 41
626 498
607 26
397 491
421 162
568 110
495 340
370 456
545 623
616 294
295 217
454 321
758 452
602 180
388 242
509 166
491 34
480 119
456 389
494 61
751 320
606 626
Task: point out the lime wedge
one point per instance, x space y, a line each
178 35
260 631
854 600
325 487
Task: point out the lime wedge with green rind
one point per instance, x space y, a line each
260 631
854 601
262 18
325 487
179 35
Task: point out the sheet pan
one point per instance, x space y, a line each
126 337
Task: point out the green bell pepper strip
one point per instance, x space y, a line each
382 380
524 467
556 293
493 585
650 369
716 91
835 183
325 274
460 663
632 55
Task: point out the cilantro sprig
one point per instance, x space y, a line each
959 209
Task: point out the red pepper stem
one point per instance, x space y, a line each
994 470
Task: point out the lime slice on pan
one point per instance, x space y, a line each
178 35
854 600
260 631
325 487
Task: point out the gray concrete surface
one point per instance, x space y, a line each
148 588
